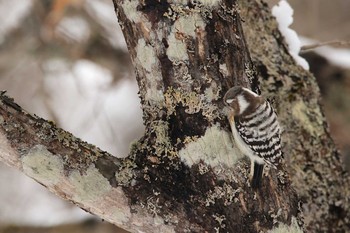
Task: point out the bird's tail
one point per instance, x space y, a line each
257 176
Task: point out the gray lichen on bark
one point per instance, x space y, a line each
312 158
186 55
69 167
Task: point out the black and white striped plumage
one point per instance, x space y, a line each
255 129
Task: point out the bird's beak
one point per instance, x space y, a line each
231 119
231 116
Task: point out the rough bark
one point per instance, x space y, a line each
186 56
184 174
313 161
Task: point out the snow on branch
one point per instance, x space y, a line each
284 16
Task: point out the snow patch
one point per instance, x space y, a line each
32 204
84 101
90 75
284 16
74 29
122 109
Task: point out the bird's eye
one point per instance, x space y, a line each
229 101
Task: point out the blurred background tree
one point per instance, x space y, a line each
66 60
324 21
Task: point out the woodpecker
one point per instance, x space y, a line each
255 129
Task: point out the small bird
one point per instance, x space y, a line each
255 129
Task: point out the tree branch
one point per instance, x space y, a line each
338 43
70 168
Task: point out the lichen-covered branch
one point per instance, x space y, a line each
70 168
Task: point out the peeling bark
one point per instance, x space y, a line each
185 174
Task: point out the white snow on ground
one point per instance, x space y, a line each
85 103
337 56
11 14
284 16
74 29
26 202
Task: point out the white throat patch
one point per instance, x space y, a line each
242 103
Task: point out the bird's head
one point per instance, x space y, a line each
242 100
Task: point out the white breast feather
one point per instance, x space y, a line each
242 146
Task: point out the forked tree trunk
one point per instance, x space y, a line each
185 174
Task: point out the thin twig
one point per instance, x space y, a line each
306 48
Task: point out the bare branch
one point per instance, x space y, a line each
337 43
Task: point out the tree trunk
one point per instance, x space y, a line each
186 57
313 162
185 174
